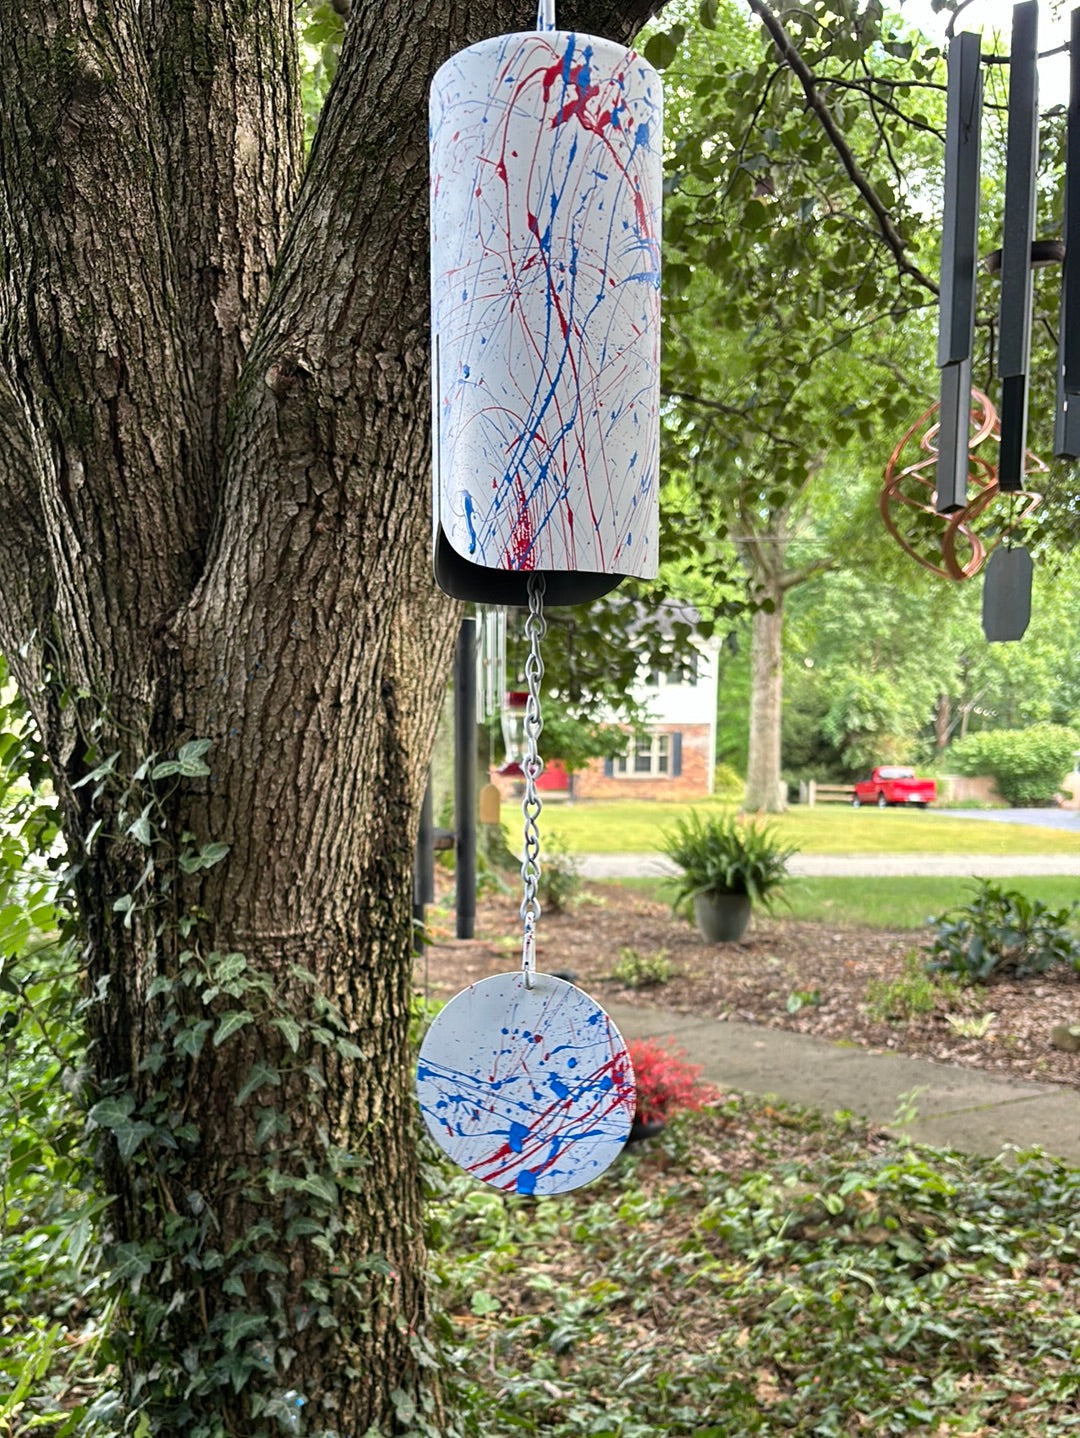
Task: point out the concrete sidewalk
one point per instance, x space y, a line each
982 866
962 1108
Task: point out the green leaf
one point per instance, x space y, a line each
130 1135
238 1326
229 1023
661 50
291 1030
226 967
112 1112
140 829
259 1076
190 758
192 1036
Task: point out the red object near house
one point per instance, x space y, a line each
554 778
891 784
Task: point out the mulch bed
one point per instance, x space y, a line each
754 981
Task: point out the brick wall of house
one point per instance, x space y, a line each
692 783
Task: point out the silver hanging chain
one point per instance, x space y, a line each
533 765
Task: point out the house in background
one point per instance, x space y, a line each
676 757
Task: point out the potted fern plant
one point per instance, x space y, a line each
728 865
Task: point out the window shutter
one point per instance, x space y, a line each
609 768
676 754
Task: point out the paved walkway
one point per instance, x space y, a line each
944 1105
983 866
952 1107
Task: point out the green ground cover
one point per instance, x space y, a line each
885 903
758 1271
636 826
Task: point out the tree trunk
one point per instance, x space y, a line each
763 789
216 597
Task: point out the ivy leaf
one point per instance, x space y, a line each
131 1263
189 758
320 1187
112 1112
291 1029
226 967
129 1135
139 829
238 1326
191 1038
259 1075
229 1023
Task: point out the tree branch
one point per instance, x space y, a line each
809 83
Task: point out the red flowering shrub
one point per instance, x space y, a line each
664 1083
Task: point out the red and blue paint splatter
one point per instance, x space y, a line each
530 1090
546 191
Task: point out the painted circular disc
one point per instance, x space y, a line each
530 1090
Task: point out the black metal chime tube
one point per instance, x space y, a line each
960 230
1067 425
1018 236
465 779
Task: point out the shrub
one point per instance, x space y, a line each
913 992
728 784
727 855
641 971
560 876
1002 934
665 1083
1027 764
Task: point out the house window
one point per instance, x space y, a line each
648 755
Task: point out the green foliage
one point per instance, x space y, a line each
1028 765
642 971
725 854
728 784
321 26
50 1210
914 991
759 1272
1002 934
560 875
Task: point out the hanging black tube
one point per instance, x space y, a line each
1017 238
424 868
465 777
959 250
1067 427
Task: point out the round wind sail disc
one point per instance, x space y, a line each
529 1089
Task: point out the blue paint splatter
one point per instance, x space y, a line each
526 1181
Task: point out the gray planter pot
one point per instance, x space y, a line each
722 918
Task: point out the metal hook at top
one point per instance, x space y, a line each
545 15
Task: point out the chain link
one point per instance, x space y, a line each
533 766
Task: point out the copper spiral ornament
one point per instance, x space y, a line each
913 485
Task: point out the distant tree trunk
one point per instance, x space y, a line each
215 595
766 707
942 723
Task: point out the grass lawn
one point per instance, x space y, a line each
884 903
757 1270
636 826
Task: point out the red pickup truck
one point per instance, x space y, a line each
892 784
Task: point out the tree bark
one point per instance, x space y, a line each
763 791
216 596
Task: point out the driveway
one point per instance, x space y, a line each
1045 818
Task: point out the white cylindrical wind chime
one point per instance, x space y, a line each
546 192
